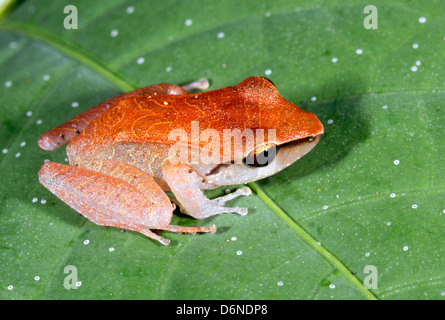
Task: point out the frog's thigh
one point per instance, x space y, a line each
107 200
184 182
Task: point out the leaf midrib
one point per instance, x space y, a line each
310 240
86 60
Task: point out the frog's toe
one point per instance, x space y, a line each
244 191
241 211
212 229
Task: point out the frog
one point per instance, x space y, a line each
121 170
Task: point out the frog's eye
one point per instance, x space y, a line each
261 156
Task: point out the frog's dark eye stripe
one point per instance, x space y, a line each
261 156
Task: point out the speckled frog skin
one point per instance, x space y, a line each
121 160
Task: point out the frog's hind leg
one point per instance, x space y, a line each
114 194
62 134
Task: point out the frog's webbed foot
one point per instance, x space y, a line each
184 183
115 194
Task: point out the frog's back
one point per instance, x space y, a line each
150 120
252 104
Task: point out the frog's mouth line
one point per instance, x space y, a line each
303 145
312 140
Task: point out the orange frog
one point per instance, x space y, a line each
121 160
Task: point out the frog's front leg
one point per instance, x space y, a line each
115 194
184 182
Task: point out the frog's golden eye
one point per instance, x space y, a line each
261 156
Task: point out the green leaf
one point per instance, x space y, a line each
370 194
